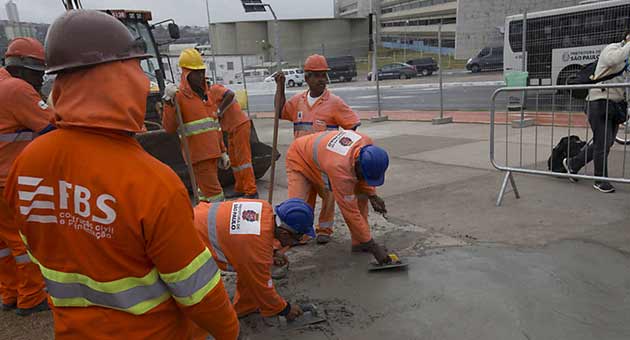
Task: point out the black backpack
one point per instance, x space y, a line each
567 147
583 77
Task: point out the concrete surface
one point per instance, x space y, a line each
552 265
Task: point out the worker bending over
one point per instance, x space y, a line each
346 166
241 234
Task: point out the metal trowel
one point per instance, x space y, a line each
310 317
397 262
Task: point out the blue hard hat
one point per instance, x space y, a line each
374 162
297 215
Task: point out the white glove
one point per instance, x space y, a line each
169 93
224 162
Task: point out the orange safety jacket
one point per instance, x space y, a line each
23 115
201 124
327 160
240 235
110 226
233 116
329 112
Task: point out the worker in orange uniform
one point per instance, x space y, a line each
313 111
111 227
238 128
23 116
345 165
201 124
241 234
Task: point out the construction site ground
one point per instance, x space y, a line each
553 264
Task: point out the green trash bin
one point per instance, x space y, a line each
516 79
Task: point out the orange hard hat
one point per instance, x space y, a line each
25 52
316 63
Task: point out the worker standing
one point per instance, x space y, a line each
23 116
312 111
238 128
201 124
346 166
110 226
241 234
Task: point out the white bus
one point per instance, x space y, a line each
560 41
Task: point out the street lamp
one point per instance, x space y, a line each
405 40
212 44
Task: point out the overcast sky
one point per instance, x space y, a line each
185 12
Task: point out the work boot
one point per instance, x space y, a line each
43 306
253 196
322 238
8 307
233 194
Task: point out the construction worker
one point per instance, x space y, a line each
345 165
241 234
238 128
201 124
312 111
111 227
23 116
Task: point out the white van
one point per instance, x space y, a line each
294 77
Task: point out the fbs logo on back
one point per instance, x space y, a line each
37 202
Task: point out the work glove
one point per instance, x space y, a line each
379 252
378 204
169 93
280 259
295 312
224 162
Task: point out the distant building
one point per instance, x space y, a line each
12 11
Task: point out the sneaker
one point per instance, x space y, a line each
8 307
233 194
322 239
604 187
43 306
565 163
252 196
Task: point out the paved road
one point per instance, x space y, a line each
457 96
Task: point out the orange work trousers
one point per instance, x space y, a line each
207 177
21 281
301 187
326 214
240 152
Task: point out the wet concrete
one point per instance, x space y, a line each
566 290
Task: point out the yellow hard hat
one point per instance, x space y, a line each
190 58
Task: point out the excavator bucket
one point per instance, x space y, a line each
166 147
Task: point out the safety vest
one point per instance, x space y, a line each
134 295
25 136
201 125
212 235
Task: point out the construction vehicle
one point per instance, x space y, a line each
156 141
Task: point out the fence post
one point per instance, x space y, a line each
376 7
441 119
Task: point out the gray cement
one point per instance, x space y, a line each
552 265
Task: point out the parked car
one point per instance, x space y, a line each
395 71
489 58
342 68
424 66
294 77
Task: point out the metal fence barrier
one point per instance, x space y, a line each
552 113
